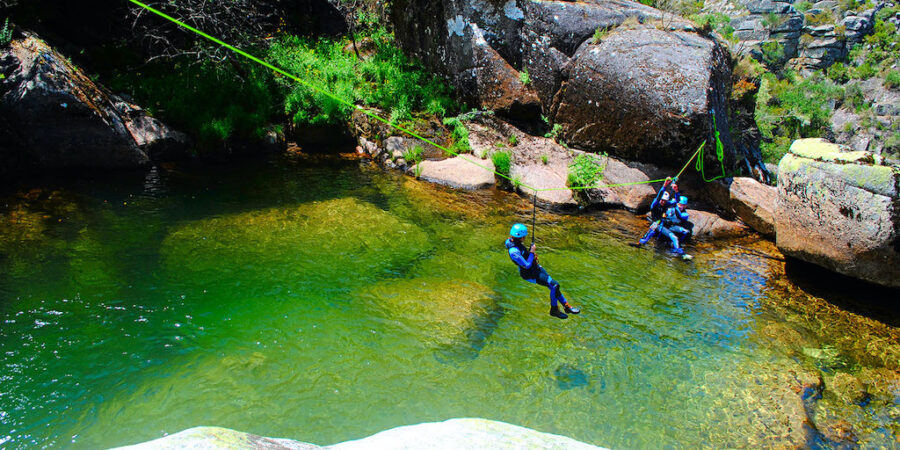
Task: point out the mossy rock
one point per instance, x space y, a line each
343 238
453 316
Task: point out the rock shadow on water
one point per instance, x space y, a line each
476 338
850 294
570 377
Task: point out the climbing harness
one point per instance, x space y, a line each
369 113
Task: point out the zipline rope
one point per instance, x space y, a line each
719 147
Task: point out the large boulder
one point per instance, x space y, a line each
453 433
754 203
643 93
461 172
646 94
58 118
839 209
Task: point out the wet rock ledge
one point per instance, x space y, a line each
454 433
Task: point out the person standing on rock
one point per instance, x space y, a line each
532 272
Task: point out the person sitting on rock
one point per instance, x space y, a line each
657 208
675 225
532 272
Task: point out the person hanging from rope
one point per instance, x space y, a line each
657 208
532 272
674 226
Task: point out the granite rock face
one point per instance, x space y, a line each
55 117
754 203
645 92
839 209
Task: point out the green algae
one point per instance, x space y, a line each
822 150
359 241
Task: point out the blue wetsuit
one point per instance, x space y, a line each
675 221
656 216
532 272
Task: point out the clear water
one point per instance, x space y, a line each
326 301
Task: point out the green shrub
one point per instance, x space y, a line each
585 170
459 134
209 101
513 140
544 159
892 144
839 73
524 77
6 33
413 155
387 80
554 132
710 22
792 108
772 53
502 162
803 6
600 34
864 71
854 97
892 79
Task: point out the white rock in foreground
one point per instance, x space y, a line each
451 434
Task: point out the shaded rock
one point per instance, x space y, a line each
754 203
847 387
461 172
153 137
839 210
59 117
645 95
453 433
710 225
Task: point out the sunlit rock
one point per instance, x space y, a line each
451 434
840 210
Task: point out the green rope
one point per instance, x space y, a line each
720 154
719 148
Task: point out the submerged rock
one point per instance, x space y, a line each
847 387
840 210
453 316
453 433
359 241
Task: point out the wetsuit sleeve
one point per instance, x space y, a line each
517 258
658 195
683 215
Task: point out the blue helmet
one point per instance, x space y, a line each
518 231
682 200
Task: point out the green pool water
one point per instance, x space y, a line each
326 301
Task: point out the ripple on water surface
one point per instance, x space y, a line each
329 303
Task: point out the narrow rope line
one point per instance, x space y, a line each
316 88
397 127
699 149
